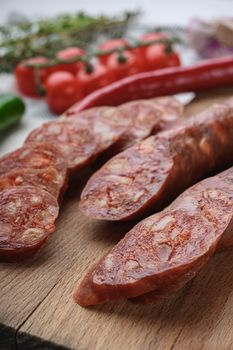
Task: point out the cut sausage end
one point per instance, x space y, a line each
120 188
27 218
151 173
86 296
166 250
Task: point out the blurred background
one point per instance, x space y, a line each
162 12
30 29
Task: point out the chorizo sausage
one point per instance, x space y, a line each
89 133
42 164
48 179
146 117
105 122
151 173
27 217
225 242
34 156
170 104
165 250
38 164
76 143
79 139
140 118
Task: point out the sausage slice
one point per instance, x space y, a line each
151 173
48 179
166 250
27 219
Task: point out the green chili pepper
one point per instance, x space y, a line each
11 110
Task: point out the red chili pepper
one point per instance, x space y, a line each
204 75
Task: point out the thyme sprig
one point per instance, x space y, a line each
86 59
168 43
25 39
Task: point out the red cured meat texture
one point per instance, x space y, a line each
27 219
109 192
154 171
170 104
137 118
81 139
48 179
106 123
34 156
225 242
49 150
76 144
140 118
165 250
145 118
34 162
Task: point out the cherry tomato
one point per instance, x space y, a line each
62 90
121 68
156 57
153 36
25 76
174 59
111 44
91 81
69 53
140 51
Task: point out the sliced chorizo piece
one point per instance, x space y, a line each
143 117
151 173
166 249
34 156
170 104
173 110
137 118
147 117
106 123
47 178
225 242
125 182
27 217
140 118
76 143
160 294
80 141
169 288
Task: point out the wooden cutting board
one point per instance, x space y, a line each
37 310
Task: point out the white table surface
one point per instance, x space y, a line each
163 12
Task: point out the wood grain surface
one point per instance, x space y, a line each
37 310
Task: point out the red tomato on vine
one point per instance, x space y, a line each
69 53
25 76
93 79
62 90
124 64
111 44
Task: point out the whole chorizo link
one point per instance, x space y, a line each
151 173
166 250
